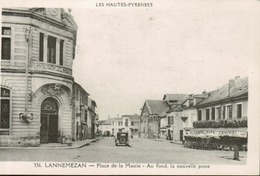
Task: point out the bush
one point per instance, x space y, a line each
231 123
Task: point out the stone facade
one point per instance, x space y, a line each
152 112
36 67
93 118
81 124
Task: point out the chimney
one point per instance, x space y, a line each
231 83
237 77
195 101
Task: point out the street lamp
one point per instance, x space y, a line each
26 117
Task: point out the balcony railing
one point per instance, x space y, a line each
222 123
40 66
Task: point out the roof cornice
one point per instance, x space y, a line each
32 14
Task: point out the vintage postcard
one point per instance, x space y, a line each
130 87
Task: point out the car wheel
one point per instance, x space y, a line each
122 140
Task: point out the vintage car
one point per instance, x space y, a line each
122 139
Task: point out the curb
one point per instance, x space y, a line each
176 143
52 148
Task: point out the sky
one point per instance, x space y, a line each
127 55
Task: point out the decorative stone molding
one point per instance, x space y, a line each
46 36
51 67
51 28
52 90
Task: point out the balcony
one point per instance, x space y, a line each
222 123
49 67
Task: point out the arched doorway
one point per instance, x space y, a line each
49 121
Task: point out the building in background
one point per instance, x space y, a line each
125 123
93 117
174 128
100 127
81 121
117 125
133 124
152 112
223 115
38 48
106 127
190 113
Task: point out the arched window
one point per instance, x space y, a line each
5 111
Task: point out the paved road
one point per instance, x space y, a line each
141 151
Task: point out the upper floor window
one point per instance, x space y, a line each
218 109
132 123
6 43
207 114
86 116
61 51
41 47
126 122
212 113
5 111
224 112
199 114
170 120
54 51
51 50
229 111
239 111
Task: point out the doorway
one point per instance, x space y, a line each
49 121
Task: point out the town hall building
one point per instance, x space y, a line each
38 48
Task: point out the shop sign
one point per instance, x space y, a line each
232 133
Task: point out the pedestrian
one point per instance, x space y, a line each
236 153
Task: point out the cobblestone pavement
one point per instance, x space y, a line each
141 151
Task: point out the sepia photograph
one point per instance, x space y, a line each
130 87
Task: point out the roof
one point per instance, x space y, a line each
94 103
132 117
157 106
80 87
108 121
100 122
198 97
179 98
240 88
